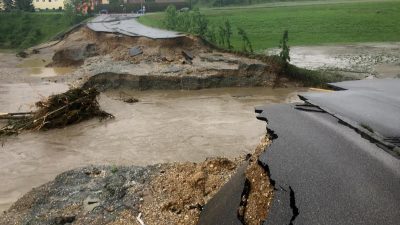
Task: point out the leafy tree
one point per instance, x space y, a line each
24 5
225 34
198 22
228 34
221 35
245 39
171 17
284 54
71 12
8 5
210 34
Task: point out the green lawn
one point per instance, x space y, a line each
22 30
310 24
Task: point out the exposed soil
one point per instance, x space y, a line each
104 58
177 195
171 193
261 191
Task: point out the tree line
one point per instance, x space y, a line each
22 5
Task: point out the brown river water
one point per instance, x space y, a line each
165 126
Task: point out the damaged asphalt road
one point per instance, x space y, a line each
128 25
370 106
325 172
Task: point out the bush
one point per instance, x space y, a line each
284 54
246 47
196 23
188 21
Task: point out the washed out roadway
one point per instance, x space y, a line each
370 103
127 24
336 176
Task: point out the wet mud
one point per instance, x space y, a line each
360 61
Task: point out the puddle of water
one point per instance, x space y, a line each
36 67
164 126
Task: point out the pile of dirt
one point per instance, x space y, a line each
163 194
93 195
85 43
58 111
178 194
74 54
260 195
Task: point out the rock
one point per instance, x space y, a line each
130 100
188 55
135 51
74 54
173 69
219 58
81 197
22 54
90 203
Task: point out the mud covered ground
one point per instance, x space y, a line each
367 60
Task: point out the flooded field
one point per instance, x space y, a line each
29 70
37 67
381 60
164 126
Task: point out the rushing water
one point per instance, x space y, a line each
164 126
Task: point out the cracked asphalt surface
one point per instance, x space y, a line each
337 176
324 169
372 103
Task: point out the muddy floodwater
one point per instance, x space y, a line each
164 126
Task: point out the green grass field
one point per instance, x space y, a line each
22 30
308 24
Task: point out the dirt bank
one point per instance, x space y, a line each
142 63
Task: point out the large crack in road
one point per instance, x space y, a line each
325 172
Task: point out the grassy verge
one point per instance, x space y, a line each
23 30
313 24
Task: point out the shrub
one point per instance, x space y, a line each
247 47
284 54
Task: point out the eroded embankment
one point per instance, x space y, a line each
111 60
173 193
222 78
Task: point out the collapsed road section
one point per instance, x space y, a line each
127 24
325 172
372 107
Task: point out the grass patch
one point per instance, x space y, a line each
23 30
311 24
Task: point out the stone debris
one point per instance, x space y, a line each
135 51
